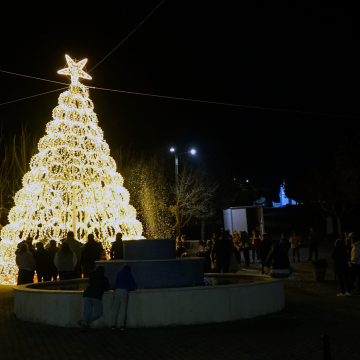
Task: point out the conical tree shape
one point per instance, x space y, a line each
72 185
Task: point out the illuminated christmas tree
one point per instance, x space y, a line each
72 185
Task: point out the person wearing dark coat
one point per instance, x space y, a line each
277 264
90 253
341 267
93 307
41 256
52 270
123 285
180 250
245 246
221 252
277 259
117 251
313 244
26 263
264 249
207 257
284 244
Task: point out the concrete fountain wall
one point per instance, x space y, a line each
155 307
161 306
154 265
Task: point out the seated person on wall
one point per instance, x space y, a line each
277 264
202 246
123 285
184 243
93 307
180 250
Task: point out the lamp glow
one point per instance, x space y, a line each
72 184
172 150
192 151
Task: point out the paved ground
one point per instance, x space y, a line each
312 309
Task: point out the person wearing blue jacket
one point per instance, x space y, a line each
124 283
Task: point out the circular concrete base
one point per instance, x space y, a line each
154 307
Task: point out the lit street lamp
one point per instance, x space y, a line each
192 152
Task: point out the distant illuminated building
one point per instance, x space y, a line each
284 200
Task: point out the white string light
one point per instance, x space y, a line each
72 184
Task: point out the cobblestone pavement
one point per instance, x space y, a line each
312 309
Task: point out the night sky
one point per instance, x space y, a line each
302 57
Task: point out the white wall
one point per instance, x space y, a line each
157 307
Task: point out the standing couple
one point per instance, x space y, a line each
98 284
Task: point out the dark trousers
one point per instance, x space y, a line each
246 252
343 275
41 274
355 274
52 273
263 261
296 251
255 250
222 265
25 276
313 248
66 275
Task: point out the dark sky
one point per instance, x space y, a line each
299 57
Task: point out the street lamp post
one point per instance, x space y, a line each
192 152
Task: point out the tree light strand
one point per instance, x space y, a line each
72 184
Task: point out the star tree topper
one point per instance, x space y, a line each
75 70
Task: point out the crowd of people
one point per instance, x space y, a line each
225 254
70 260
346 257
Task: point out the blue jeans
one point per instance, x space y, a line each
93 309
120 305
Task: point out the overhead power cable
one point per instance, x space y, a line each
33 77
225 104
126 37
177 98
29 97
